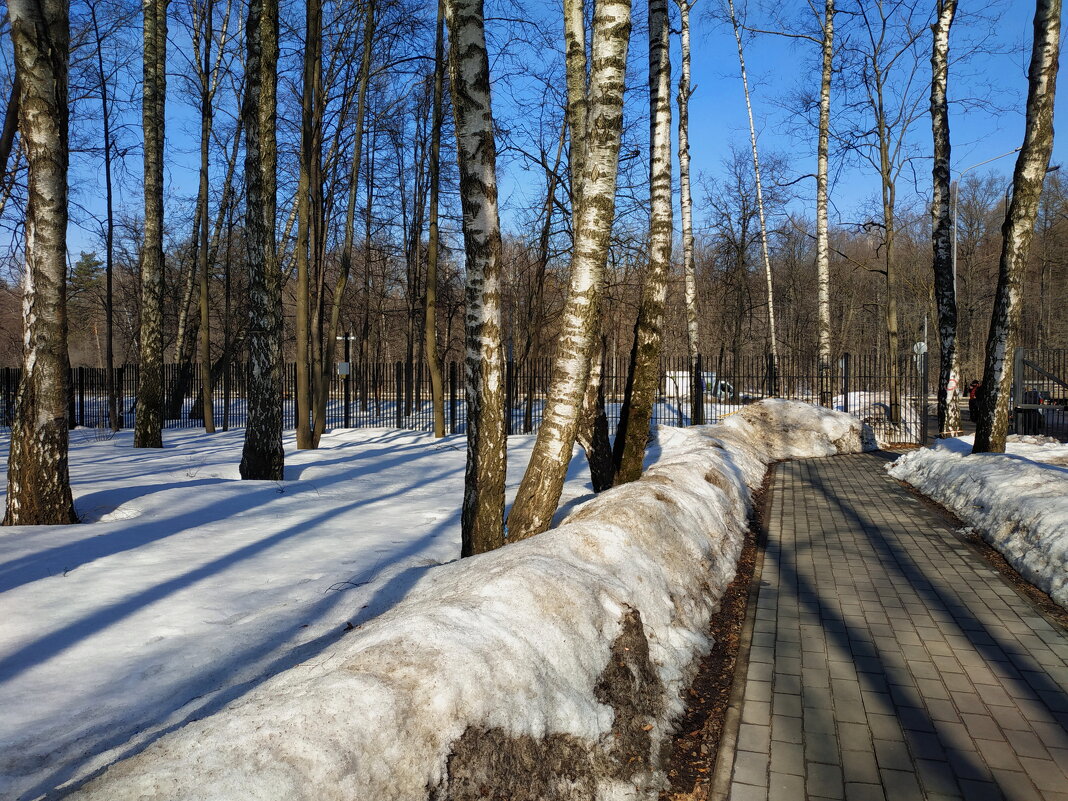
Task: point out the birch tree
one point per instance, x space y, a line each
773 352
148 430
207 92
482 518
823 250
1018 229
38 483
643 378
689 271
596 123
262 456
942 226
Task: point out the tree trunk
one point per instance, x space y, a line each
773 350
148 431
263 456
823 250
942 227
644 377
308 141
1018 229
114 418
350 212
482 519
38 483
204 265
430 299
539 492
686 207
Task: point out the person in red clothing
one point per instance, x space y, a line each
973 401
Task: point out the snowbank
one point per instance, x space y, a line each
1017 501
551 668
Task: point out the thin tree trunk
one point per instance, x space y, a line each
114 420
773 350
689 271
942 226
482 518
204 266
11 126
354 180
38 482
263 456
312 36
823 250
1018 229
539 492
430 299
148 431
644 377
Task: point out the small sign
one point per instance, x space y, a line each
919 348
951 385
343 368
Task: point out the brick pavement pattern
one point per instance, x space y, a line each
889 660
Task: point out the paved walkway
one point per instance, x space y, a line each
888 659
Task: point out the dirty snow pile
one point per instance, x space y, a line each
1017 501
516 646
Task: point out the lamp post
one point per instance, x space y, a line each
960 177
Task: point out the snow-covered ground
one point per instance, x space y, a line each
1017 501
188 593
183 584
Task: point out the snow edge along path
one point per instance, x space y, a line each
567 649
1017 501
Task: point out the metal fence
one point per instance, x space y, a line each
1040 391
397 395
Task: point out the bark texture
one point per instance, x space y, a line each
823 250
644 377
689 272
262 456
38 484
148 430
1018 229
482 518
942 227
602 109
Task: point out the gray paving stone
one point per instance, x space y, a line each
887 656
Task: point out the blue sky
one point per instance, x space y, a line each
777 67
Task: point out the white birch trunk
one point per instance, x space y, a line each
482 518
823 250
773 351
1018 229
539 492
689 272
942 227
38 483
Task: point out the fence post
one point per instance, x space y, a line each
845 382
348 379
924 389
398 391
509 395
452 397
81 396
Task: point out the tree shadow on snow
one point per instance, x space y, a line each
239 673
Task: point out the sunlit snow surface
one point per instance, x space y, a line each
1017 501
311 609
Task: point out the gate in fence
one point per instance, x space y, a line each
1040 391
890 397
